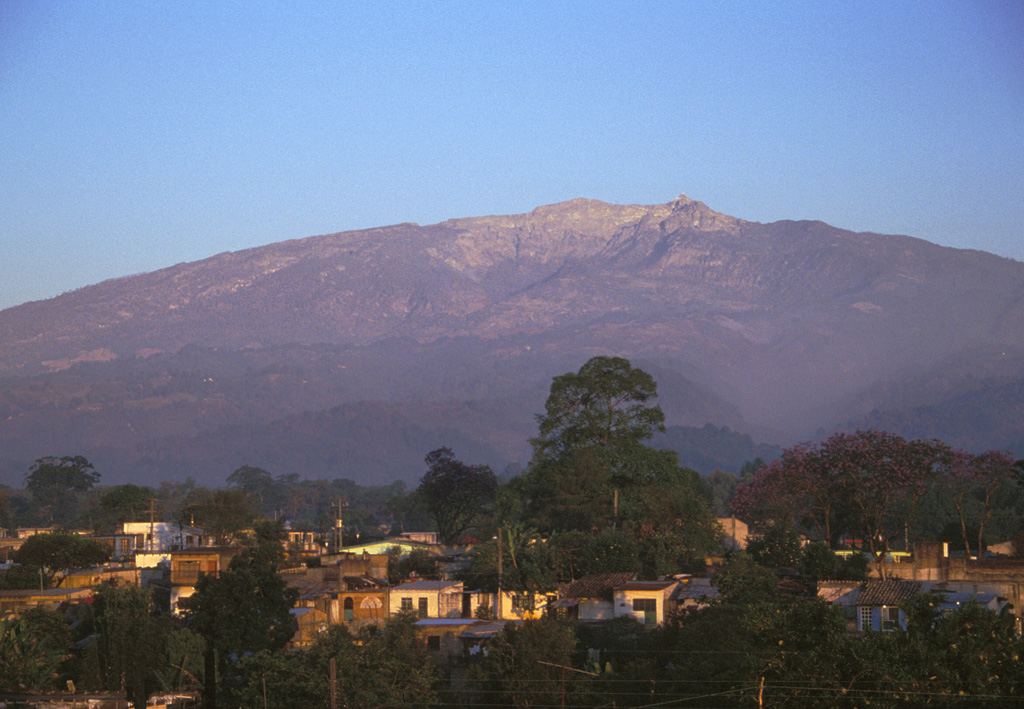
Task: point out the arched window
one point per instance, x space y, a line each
349 612
372 606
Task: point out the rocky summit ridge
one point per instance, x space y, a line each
775 329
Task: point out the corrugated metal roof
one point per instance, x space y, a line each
966 598
47 593
362 583
311 589
694 589
424 585
446 622
488 629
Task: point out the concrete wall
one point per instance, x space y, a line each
1001 576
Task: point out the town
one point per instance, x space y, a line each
852 572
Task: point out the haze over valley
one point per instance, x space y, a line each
353 354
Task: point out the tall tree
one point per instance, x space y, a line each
866 483
572 492
593 472
126 503
55 484
972 482
590 443
130 648
258 484
244 610
522 666
456 494
884 477
222 513
605 402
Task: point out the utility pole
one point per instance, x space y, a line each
338 528
564 668
497 603
334 683
151 523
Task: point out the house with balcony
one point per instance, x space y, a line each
190 565
152 542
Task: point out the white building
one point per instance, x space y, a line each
154 541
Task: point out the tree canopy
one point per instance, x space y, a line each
61 552
55 483
222 513
455 493
244 610
131 643
126 503
258 484
605 402
872 486
595 497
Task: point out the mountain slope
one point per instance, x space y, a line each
772 329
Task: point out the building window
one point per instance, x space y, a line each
865 617
125 545
647 606
890 617
349 609
406 604
423 607
523 602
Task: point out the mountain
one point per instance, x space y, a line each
353 354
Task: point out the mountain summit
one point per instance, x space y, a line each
309 355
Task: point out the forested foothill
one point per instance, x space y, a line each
597 499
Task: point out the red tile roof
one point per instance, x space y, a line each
890 592
597 585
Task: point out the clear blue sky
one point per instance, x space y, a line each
136 135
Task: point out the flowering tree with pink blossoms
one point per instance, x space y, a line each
796 490
883 476
766 500
866 483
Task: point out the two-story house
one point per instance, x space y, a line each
190 565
